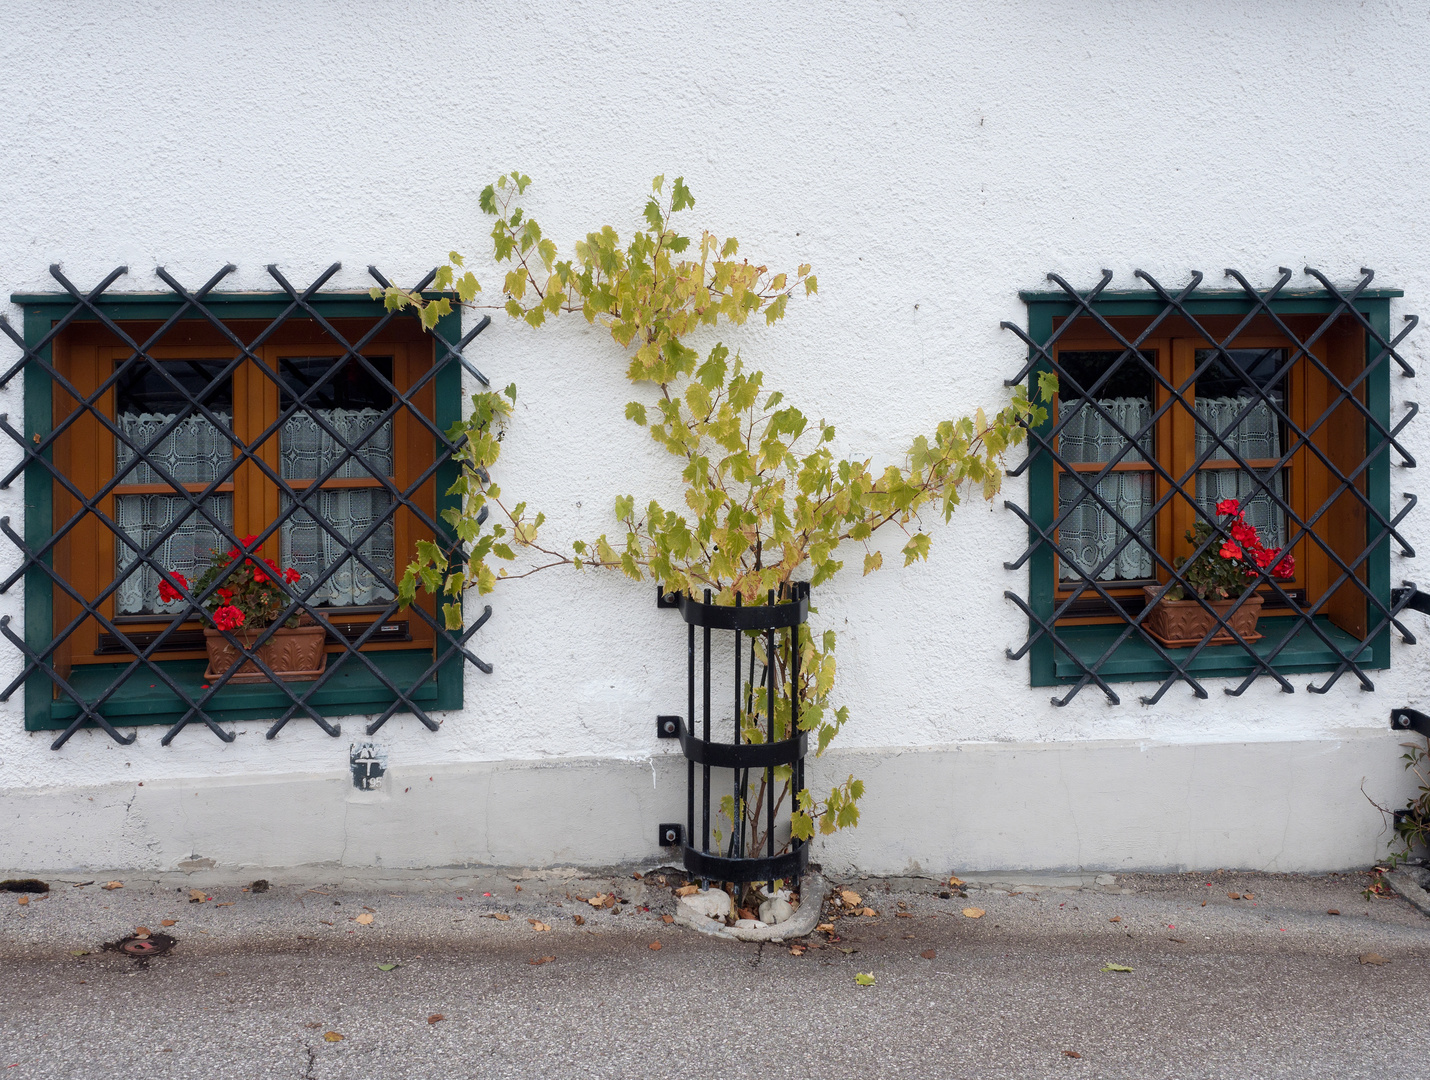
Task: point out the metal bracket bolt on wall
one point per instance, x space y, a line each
672 834
667 727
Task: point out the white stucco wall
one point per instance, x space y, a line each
928 160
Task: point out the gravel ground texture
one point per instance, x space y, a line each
516 974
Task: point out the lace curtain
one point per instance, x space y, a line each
1086 437
186 551
1088 534
307 451
311 549
1257 436
1263 515
195 452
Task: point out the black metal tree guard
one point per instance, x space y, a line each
735 863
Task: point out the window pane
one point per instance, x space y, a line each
311 549
1125 397
1088 534
350 400
186 551
1262 514
195 452
1229 386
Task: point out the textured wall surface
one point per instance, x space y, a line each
928 160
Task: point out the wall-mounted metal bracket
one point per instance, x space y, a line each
672 835
664 599
1410 720
1411 597
667 727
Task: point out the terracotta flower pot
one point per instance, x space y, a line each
1176 623
292 655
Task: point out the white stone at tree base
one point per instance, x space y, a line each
750 924
1106 879
778 910
707 904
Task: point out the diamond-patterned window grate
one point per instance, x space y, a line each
391 682
1062 649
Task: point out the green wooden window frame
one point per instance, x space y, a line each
1134 660
351 692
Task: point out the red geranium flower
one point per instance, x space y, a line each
167 593
291 576
1265 557
228 617
1285 568
1230 550
1243 533
225 594
259 576
1228 506
248 540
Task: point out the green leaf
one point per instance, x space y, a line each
1047 385
386 967
453 615
635 411
864 978
1116 967
487 200
510 391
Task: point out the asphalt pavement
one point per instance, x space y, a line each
453 975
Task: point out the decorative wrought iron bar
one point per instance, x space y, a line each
1347 401
42 474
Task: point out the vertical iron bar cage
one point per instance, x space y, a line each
778 622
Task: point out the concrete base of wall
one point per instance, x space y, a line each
1118 806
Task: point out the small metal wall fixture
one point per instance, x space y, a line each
756 845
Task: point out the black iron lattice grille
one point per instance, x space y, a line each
37 551
1189 307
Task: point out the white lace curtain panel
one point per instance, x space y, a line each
307 450
197 452
1088 533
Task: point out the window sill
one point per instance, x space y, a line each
1136 659
354 690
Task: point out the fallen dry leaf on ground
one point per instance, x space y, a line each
1248 896
667 918
687 890
850 897
903 914
868 912
827 927
746 913
24 900
796 950
538 925
974 912
1115 918
499 916
436 1018
1071 1053
579 920
141 931
196 896
112 885
539 960
1233 896
654 946
928 954
955 881
333 1036
364 919
1373 958
1116 967
226 903
168 922
1333 911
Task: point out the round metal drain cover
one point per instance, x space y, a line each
153 945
